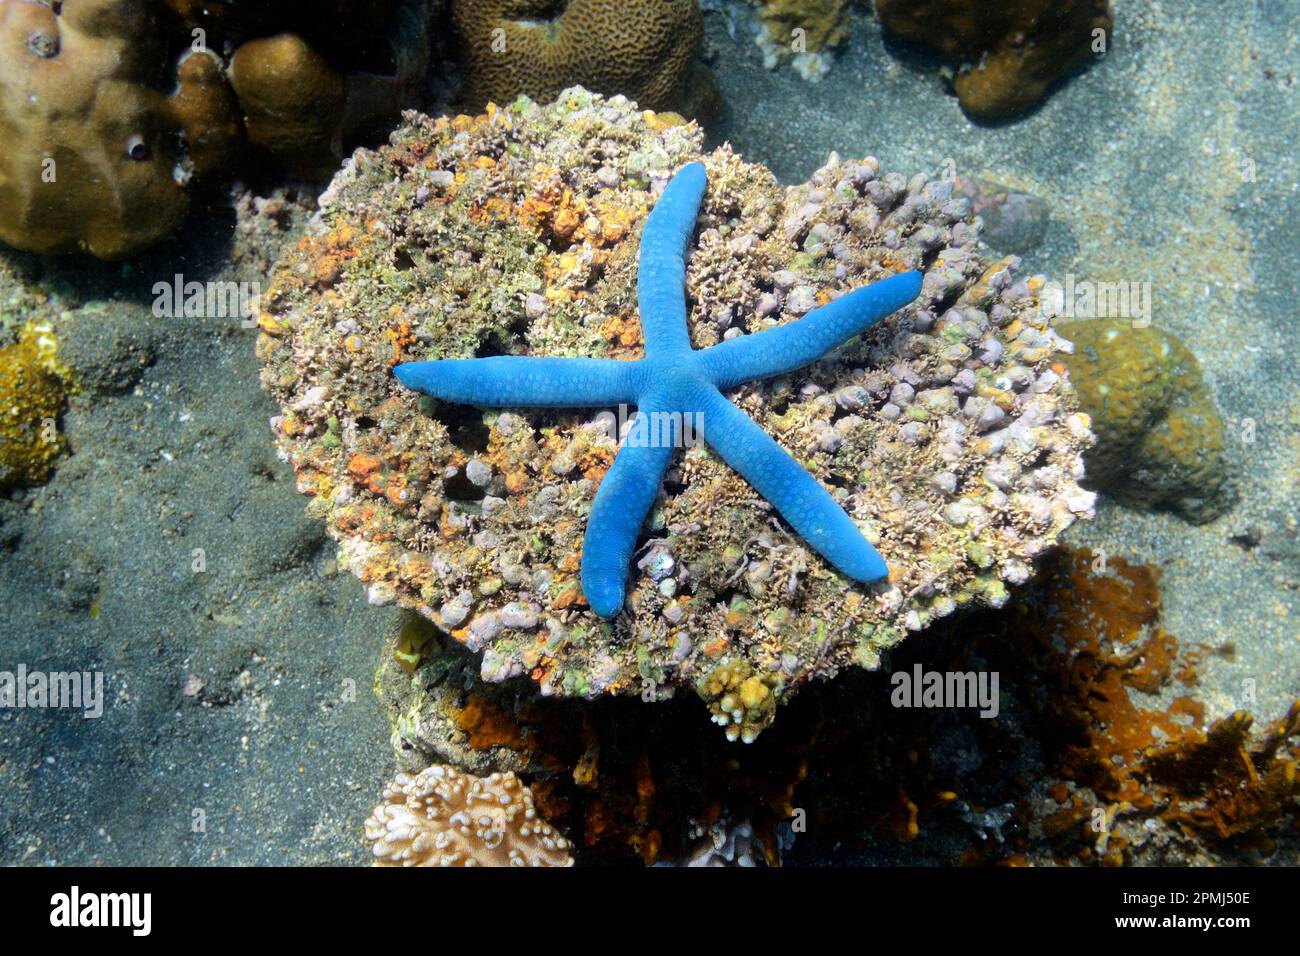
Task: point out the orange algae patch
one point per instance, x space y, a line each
488 725
328 254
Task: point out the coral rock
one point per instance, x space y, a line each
1011 51
440 817
802 31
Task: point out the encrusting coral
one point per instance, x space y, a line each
646 50
88 163
947 432
441 817
1159 434
1010 51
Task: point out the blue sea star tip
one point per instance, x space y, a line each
674 379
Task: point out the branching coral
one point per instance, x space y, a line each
440 817
1010 51
645 49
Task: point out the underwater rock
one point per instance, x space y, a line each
441 817
646 50
1159 435
1010 52
1014 221
515 232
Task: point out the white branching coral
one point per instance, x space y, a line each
441 817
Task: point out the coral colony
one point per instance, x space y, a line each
679 381
507 246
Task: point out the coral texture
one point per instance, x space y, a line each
99 159
440 817
87 164
644 49
1159 435
1010 51
947 432
674 387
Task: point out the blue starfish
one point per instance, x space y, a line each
673 378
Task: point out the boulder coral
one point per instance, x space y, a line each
1159 434
948 432
1009 52
646 50
309 76
110 109
33 394
441 817
292 101
91 161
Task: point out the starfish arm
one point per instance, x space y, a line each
787 347
800 498
506 380
661 275
622 502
